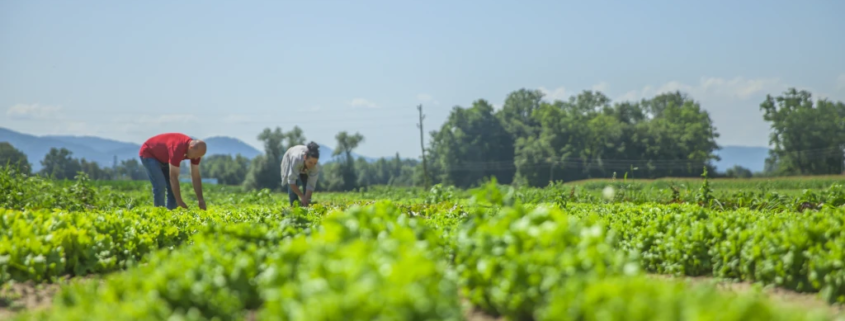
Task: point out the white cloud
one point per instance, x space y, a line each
602 87
556 94
840 82
561 93
631 95
733 104
426 98
361 102
737 88
71 127
33 111
168 118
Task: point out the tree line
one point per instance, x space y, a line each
344 173
531 141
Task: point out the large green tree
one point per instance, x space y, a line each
808 137
346 143
587 137
679 141
574 137
473 145
131 169
516 114
59 164
226 169
93 170
265 170
11 156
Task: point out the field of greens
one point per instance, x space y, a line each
593 250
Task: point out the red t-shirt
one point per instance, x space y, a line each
170 148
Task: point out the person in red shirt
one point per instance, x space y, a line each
161 156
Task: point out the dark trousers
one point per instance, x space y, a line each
301 181
159 174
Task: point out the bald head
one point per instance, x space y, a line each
196 149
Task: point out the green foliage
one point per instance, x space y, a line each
130 170
226 169
791 250
346 143
473 145
59 164
642 298
705 193
265 170
41 245
361 264
588 137
33 192
510 262
439 194
738 172
808 138
555 253
11 156
213 278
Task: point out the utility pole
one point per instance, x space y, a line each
422 147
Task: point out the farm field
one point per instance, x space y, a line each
673 249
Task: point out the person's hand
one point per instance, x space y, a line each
182 204
305 202
201 204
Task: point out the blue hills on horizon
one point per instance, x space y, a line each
104 150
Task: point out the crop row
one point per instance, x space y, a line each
41 245
379 263
361 264
798 251
34 192
545 264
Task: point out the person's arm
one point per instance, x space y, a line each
307 197
288 166
196 179
174 185
297 191
311 185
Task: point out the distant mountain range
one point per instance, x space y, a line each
753 158
104 150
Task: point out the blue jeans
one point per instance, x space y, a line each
299 182
159 174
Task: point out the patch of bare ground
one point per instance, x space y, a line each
779 296
473 313
16 297
251 315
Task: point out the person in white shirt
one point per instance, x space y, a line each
299 166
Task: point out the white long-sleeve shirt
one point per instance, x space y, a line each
293 164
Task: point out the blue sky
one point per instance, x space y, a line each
129 70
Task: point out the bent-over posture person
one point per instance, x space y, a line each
161 156
299 165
